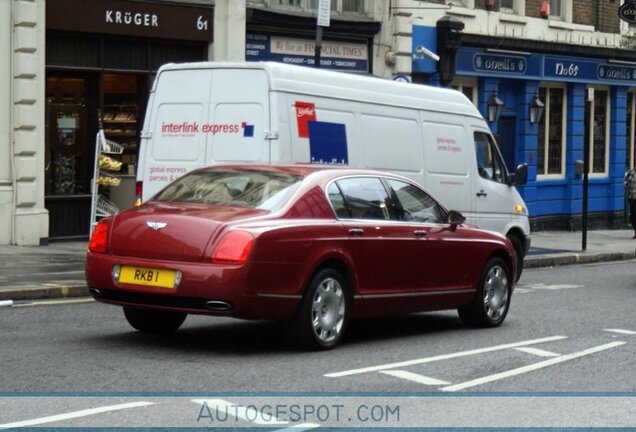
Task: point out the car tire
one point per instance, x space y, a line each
322 318
492 300
150 321
518 247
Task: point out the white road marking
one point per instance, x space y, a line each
537 352
238 411
56 302
74 415
442 357
410 376
621 331
299 428
530 368
528 288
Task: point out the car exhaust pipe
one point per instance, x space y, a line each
95 292
218 305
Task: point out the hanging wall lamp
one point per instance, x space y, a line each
536 108
495 107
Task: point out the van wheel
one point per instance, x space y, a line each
518 247
322 318
492 300
150 321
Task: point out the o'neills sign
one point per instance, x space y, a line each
627 12
131 18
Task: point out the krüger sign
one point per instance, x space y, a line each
627 12
128 18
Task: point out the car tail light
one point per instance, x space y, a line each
100 237
139 188
234 248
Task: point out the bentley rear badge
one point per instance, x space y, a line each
156 225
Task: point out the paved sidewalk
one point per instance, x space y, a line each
57 270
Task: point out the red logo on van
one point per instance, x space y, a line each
305 112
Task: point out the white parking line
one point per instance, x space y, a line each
410 376
299 428
621 331
74 415
537 352
530 368
442 357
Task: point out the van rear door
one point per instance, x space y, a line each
238 118
173 143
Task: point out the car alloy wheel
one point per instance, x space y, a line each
496 293
492 300
328 310
322 317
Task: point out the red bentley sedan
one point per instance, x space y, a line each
311 245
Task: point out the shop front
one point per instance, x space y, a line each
582 98
347 45
101 59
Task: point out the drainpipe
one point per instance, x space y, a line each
12 169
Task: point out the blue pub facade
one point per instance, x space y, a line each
587 95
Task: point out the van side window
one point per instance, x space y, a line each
415 204
489 162
365 198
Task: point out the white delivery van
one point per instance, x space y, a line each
218 113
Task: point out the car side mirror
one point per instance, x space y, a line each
521 176
455 218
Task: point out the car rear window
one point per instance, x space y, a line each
231 187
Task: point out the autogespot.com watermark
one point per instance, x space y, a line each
217 412
306 411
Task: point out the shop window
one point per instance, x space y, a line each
631 130
468 86
551 134
597 121
66 143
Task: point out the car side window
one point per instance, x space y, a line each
338 202
416 205
365 198
489 162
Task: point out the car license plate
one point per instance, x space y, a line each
163 278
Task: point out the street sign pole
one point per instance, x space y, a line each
318 46
586 167
322 20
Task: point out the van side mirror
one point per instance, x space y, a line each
521 176
455 218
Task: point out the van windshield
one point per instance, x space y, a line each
232 187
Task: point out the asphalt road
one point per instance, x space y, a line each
570 329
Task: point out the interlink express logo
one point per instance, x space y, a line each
191 128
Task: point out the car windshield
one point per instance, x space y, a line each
231 187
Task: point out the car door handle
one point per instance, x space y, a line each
420 233
481 193
356 232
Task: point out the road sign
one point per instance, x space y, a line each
324 13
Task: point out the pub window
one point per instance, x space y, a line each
551 134
468 86
631 130
507 5
513 6
597 118
556 9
